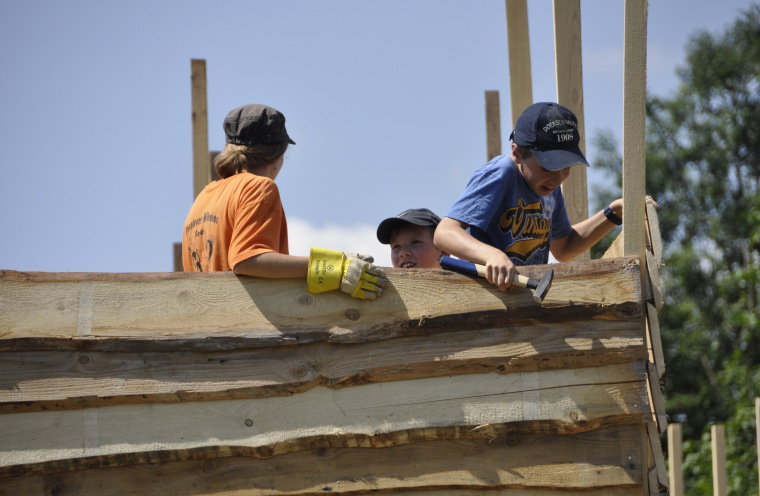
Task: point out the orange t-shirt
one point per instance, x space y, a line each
231 220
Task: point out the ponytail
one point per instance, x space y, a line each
235 159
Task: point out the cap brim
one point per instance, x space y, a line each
555 160
386 227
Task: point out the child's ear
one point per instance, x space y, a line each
516 154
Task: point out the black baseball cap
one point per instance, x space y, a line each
550 131
256 124
417 216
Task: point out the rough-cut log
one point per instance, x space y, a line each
52 380
140 312
381 414
511 465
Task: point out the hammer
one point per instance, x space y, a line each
540 288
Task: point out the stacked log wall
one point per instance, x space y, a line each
217 384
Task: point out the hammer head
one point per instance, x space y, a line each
543 286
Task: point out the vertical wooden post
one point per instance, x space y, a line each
569 67
201 157
177 254
634 127
718 434
675 459
757 438
518 46
493 125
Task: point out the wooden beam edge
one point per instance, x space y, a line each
655 339
510 434
657 401
263 321
115 388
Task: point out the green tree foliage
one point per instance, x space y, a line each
703 169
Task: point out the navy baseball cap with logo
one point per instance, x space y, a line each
417 216
550 131
256 124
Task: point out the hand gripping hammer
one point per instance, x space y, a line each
539 287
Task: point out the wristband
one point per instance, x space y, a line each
611 216
325 270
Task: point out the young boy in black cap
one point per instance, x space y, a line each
410 235
512 211
238 223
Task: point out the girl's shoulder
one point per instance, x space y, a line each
249 180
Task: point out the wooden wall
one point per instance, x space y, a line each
215 384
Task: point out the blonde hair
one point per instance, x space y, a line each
235 159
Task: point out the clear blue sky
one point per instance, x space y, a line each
384 98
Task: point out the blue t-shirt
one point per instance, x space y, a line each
504 212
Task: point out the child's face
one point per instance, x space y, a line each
412 247
541 181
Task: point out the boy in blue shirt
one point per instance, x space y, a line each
512 211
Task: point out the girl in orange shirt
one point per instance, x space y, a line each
238 223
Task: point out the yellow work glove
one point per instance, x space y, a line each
351 273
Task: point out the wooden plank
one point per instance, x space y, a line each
654 488
615 249
653 279
518 44
634 127
645 460
654 340
372 415
657 460
214 311
569 68
656 399
521 491
652 232
201 166
177 256
654 237
55 380
601 462
493 125
718 443
757 435
675 459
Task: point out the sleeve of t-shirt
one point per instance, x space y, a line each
482 196
560 221
257 224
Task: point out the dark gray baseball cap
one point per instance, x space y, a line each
256 124
417 216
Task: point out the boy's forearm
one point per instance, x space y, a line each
451 236
585 234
